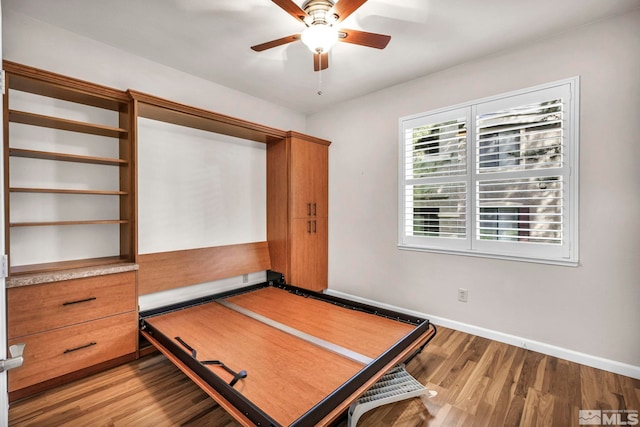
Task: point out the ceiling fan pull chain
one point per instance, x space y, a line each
319 73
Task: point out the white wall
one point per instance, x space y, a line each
198 189
592 309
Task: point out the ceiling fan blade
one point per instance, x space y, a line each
320 61
291 8
274 43
363 38
344 8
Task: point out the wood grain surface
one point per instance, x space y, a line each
285 375
168 270
61 351
38 308
358 331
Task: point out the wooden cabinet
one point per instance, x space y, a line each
70 212
69 173
69 326
309 178
309 254
297 209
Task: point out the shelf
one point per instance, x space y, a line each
67 191
65 124
47 155
154 108
66 265
56 223
32 80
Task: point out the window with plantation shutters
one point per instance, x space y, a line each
495 177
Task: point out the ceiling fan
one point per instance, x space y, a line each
321 18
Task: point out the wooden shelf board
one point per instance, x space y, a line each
65 124
47 155
66 265
67 191
55 223
32 80
152 107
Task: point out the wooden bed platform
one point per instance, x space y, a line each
306 356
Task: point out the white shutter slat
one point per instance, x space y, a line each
485 129
536 107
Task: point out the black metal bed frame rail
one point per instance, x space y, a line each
325 406
353 305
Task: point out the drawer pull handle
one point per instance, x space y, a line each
69 350
79 301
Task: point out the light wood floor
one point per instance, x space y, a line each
479 383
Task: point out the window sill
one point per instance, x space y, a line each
560 262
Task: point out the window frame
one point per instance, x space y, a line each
562 254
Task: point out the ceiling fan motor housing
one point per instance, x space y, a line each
318 12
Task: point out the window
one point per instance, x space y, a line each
495 177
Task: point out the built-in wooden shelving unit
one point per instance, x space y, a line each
81 97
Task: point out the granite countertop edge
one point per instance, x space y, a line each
76 273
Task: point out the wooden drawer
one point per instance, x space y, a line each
51 354
38 308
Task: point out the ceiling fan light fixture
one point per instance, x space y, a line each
319 38
322 19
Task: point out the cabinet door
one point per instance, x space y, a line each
309 182
309 253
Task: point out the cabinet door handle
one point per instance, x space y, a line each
314 225
79 301
309 227
314 209
69 350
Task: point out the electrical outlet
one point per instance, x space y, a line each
463 295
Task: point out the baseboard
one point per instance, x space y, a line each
540 347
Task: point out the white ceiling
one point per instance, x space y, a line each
211 38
